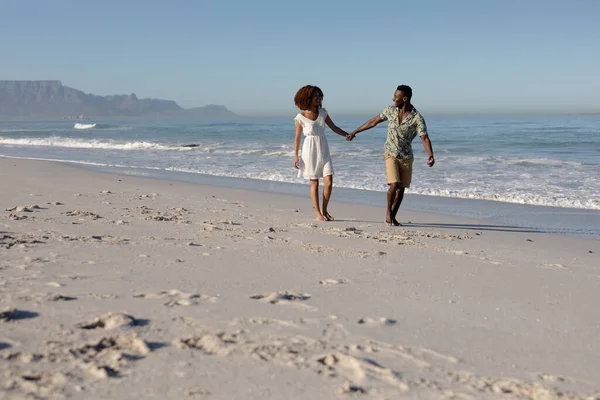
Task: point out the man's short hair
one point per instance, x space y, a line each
406 90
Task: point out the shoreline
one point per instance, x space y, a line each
362 115
574 222
125 287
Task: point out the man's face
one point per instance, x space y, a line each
399 98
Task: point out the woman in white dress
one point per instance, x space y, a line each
315 161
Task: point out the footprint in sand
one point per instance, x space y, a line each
279 322
100 296
376 321
12 314
285 297
177 298
110 321
76 277
198 392
364 369
328 282
16 217
105 357
277 297
358 372
551 378
59 297
335 331
148 196
34 385
306 225
47 297
420 356
221 222
556 267
19 241
20 209
79 213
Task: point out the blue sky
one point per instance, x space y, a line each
460 56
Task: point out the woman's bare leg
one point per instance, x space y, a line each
327 189
314 196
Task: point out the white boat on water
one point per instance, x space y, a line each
83 126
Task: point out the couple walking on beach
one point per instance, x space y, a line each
404 124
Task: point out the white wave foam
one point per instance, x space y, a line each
114 128
515 198
526 199
275 176
77 143
256 152
15 130
87 144
501 160
83 126
71 162
541 162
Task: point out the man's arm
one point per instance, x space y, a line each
428 149
422 132
366 126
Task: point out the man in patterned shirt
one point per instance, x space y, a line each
404 124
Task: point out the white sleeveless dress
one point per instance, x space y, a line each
315 160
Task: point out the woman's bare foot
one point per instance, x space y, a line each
328 216
320 217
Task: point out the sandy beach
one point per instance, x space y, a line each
121 287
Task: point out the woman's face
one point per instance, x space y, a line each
317 99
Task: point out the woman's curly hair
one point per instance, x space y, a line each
304 96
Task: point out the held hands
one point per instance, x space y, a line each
430 161
350 136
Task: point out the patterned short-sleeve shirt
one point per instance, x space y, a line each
401 135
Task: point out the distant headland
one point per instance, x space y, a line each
52 99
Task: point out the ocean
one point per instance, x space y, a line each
548 166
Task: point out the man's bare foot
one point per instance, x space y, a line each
328 216
321 218
392 221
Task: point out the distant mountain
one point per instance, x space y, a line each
210 111
52 99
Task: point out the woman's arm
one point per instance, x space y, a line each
297 144
334 127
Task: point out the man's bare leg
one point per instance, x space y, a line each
314 196
327 189
396 206
391 201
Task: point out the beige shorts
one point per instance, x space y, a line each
398 170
